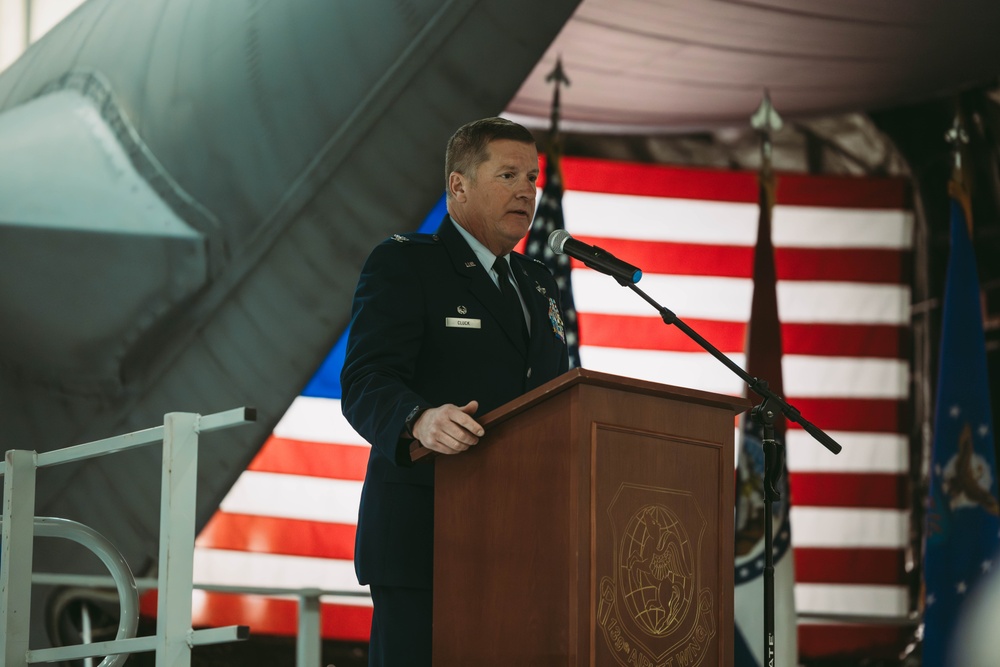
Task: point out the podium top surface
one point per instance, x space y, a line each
583 376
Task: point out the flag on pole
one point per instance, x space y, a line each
549 217
763 350
962 531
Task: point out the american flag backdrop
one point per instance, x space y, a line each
842 254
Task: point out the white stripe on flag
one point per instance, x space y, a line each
844 528
806 376
863 452
842 302
814 227
684 369
866 600
705 297
731 223
659 219
242 568
728 299
815 376
317 420
294 497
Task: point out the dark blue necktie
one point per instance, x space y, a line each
510 300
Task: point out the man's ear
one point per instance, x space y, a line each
456 186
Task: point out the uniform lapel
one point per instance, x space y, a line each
538 303
480 284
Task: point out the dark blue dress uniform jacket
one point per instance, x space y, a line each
400 354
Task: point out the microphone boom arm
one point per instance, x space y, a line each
757 385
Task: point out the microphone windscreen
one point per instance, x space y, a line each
557 240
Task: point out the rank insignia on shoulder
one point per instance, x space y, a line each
399 238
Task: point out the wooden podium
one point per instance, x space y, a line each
592 525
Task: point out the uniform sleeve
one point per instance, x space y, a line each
387 320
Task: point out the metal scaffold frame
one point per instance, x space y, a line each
174 635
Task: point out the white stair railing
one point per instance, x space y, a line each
174 636
121 574
308 637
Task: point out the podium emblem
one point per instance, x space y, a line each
651 609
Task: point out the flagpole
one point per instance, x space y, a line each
558 76
549 218
767 121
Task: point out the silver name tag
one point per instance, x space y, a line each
463 323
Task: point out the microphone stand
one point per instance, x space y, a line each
762 415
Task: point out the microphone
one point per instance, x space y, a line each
560 242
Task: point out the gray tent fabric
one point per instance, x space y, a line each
641 67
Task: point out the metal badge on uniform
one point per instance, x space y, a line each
556 319
462 310
463 322
469 265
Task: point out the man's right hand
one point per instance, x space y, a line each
448 429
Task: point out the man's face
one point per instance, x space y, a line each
497 204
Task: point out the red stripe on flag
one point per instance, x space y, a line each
843 191
869 415
861 641
650 333
313 459
667 258
846 340
275 535
628 178
279 617
868 490
874 567
868 265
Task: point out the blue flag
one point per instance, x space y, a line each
962 530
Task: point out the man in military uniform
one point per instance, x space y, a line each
444 327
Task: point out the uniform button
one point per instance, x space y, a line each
529 372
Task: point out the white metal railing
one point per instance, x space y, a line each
121 575
308 641
174 636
